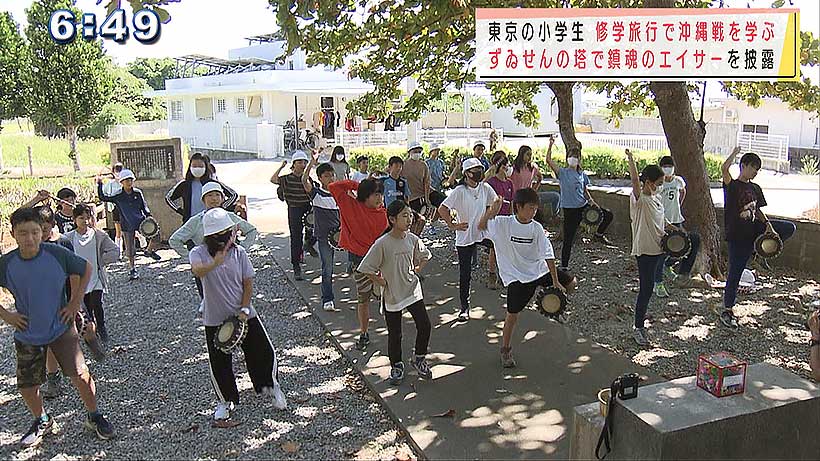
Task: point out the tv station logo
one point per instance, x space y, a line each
145 26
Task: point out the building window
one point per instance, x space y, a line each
176 110
205 108
255 106
221 105
240 105
760 129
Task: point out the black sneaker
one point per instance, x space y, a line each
297 274
397 374
153 255
36 432
312 252
98 424
728 319
363 341
464 314
133 275
421 366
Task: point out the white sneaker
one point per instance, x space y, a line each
279 401
329 307
223 410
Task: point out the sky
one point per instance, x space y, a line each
210 27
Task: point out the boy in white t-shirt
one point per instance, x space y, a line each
470 199
525 259
672 193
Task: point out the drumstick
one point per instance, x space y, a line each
61 200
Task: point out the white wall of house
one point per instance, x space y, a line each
270 52
548 108
802 129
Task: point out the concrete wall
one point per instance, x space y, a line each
801 252
454 119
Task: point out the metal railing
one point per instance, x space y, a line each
139 130
773 149
637 142
429 135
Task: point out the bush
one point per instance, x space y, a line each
601 161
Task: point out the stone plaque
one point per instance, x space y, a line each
150 162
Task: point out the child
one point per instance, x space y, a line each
96 247
418 178
575 199
326 220
648 223
526 174
340 166
672 194
295 195
437 171
133 211
499 175
65 209
363 220
744 222
525 259
191 233
36 274
395 185
469 200
361 174
227 282
393 263
189 190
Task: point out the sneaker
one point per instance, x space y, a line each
53 386
329 307
363 341
153 255
102 332
661 291
421 366
492 282
223 410
133 275
96 349
96 422
728 319
312 252
279 401
640 336
36 432
297 274
507 359
397 373
603 239
464 314
669 273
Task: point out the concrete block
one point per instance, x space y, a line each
778 417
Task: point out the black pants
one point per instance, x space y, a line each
572 220
465 267
647 264
393 319
260 358
93 304
297 228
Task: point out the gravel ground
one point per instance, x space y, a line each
682 326
155 389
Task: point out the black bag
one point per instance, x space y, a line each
280 192
624 387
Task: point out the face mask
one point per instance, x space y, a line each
476 176
415 155
572 162
198 171
668 170
509 171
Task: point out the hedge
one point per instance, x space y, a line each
600 161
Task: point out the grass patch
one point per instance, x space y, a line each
17 191
50 156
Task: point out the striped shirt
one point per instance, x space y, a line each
294 191
325 211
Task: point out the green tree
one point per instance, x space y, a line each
130 92
13 69
153 70
69 83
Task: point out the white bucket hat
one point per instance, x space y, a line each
435 146
299 155
126 174
469 163
414 145
210 187
215 221
479 143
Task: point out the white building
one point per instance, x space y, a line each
772 117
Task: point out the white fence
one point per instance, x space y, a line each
351 139
637 142
773 149
139 130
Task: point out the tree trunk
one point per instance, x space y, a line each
684 135
566 125
72 142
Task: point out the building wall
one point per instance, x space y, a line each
796 124
505 118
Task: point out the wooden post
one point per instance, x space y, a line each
30 164
1 159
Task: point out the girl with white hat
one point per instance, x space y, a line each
227 282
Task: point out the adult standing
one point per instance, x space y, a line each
526 174
189 190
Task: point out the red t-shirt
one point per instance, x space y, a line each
360 225
505 190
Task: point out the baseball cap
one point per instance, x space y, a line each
126 174
479 143
469 163
210 187
215 221
299 155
